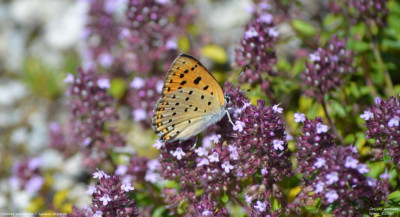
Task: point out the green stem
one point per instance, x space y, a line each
331 122
381 64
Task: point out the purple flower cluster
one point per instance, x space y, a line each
61 139
341 179
207 207
153 32
92 114
27 175
333 172
110 197
101 34
256 51
366 10
254 149
313 141
259 137
327 68
142 97
382 122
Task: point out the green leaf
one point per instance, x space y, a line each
386 158
338 108
376 168
158 212
303 28
331 22
184 44
215 52
182 207
395 195
117 88
225 198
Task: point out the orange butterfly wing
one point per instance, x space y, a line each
186 71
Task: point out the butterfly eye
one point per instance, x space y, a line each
227 99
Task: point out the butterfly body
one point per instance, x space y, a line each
191 101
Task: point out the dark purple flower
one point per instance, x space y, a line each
27 175
152 34
110 197
340 179
142 97
367 10
92 116
382 122
256 51
101 34
327 68
313 141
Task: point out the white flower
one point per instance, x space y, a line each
158 144
277 109
385 175
226 166
201 151
103 83
69 78
245 105
278 144
100 174
273 33
206 212
152 176
159 86
264 171
299 117
162 1
98 214
234 154
377 100
371 181
239 126
171 45
315 56
178 153
153 164
362 168
105 60
331 196
137 83
214 157
139 114
367 115
121 170
319 163
321 128
127 187
332 178
105 199
251 33
394 122
204 161
351 162
261 206
91 189
215 138
319 187
266 18
247 198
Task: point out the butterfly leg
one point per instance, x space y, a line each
194 144
229 117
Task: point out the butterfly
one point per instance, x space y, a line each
191 101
